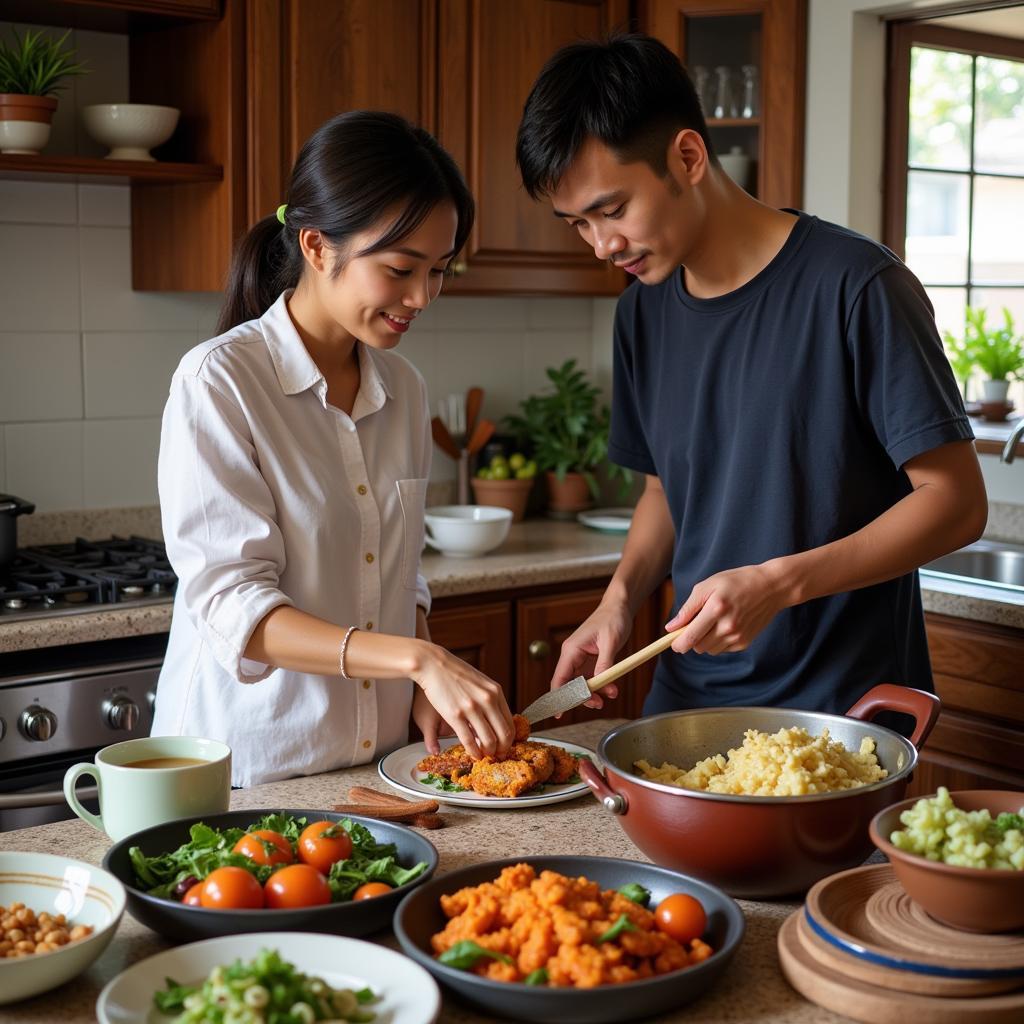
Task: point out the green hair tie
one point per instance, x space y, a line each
280 212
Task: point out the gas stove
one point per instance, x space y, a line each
62 579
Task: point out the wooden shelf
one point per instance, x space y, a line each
733 122
52 168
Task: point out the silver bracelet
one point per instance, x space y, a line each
344 646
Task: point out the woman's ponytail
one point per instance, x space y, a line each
262 267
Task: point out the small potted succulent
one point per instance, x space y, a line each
998 352
568 434
32 71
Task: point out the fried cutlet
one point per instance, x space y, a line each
522 728
566 765
454 759
537 756
500 778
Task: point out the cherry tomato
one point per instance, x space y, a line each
194 897
231 888
681 917
298 885
323 843
265 847
371 889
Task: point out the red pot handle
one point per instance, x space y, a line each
595 779
923 707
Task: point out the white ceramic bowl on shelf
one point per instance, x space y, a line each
466 530
130 129
84 893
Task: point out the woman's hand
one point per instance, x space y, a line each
726 611
592 649
429 722
473 705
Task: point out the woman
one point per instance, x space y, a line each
294 458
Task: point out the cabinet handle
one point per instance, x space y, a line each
458 268
539 649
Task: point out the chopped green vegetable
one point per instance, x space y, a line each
266 989
1006 821
465 955
537 977
211 848
440 782
622 924
637 893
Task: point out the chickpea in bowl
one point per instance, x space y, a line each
58 916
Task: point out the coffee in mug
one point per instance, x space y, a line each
149 781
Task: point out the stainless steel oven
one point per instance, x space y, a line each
58 706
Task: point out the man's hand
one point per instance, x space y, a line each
592 649
726 611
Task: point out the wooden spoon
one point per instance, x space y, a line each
482 433
443 440
474 400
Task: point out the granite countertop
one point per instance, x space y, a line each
752 990
537 552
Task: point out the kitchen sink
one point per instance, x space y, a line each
993 563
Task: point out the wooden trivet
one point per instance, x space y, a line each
873 1004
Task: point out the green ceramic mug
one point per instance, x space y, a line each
152 780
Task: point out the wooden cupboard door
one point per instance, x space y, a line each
781 36
312 59
489 56
479 635
544 623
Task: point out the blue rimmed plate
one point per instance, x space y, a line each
866 914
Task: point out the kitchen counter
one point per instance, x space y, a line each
537 552
752 989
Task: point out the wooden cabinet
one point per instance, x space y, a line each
253 86
489 55
768 35
480 635
978 742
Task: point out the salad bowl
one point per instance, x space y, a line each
175 920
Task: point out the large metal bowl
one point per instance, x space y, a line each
755 847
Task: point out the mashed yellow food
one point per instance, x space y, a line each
790 762
939 830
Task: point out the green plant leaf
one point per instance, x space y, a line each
37 65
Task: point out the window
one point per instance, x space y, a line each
955 170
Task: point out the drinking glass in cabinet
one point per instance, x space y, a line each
748 106
724 102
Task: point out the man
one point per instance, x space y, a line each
778 380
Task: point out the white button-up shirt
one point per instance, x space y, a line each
270 496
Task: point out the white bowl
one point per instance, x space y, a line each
463 531
130 129
84 893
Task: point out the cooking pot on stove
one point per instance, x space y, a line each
755 846
10 508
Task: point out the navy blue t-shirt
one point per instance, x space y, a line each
777 418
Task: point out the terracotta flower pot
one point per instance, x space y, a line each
25 122
570 495
510 494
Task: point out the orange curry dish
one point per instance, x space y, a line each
568 930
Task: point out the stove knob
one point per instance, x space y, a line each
122 713
38 723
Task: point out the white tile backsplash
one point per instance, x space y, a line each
37 202
489 359
44 463
546 349
38 278
128 374
462 313
40 377
108 206
120 462
559 314
108 302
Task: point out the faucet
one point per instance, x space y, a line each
1010 447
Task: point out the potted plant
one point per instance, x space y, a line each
568 434
997 352
32 72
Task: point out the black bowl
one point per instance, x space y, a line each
419 916
177 921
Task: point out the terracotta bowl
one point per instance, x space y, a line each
971 899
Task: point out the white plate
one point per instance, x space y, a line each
408 993
608 520
398 769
